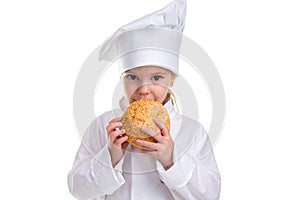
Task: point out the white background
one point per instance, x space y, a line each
254 44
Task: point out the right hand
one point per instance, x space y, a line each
117 140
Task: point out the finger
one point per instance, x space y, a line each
149 145
112 122
121 140
162 126
148 151
152 133
115 135
113 126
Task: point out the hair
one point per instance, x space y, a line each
171 96
171 93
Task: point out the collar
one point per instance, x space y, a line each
170 107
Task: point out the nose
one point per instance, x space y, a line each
144 89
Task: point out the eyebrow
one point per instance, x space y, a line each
159 73
152 74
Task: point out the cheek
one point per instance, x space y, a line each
161 92
129 88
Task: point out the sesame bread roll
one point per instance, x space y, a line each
141 113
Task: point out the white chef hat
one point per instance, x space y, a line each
154 39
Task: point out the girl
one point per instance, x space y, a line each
180 165
100 170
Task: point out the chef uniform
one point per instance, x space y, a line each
194 174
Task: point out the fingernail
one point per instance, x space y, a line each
123 130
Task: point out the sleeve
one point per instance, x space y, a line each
195 174
92 174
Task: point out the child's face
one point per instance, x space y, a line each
147 82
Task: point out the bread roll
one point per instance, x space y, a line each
141 113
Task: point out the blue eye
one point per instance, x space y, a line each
132 77
157 78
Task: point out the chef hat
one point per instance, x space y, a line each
154 39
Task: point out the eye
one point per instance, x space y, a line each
157 78
132 77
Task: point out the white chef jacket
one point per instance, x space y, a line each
194 174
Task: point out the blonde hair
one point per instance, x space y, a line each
171 96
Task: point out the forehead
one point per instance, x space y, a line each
148 70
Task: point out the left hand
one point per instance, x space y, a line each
163 149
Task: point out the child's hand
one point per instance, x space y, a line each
163 149
117 140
